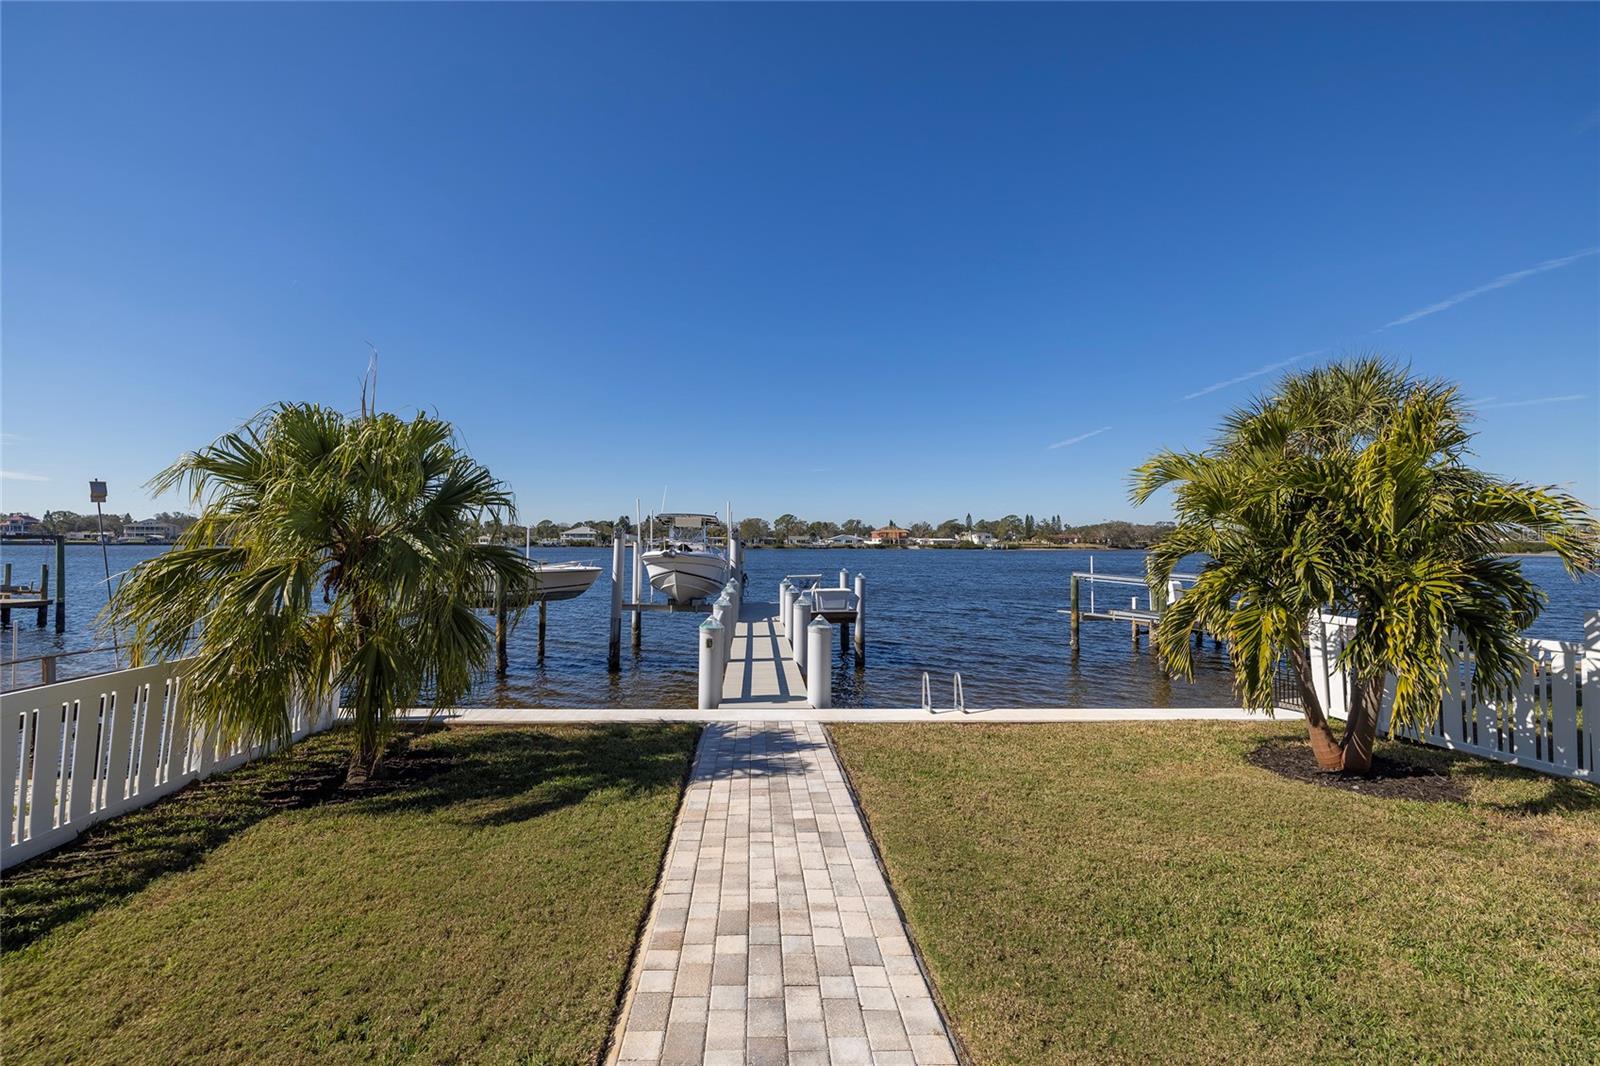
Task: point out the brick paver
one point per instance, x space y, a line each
773 938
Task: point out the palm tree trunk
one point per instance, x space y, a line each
1361 727
1324 745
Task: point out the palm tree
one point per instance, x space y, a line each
1348 489
332 553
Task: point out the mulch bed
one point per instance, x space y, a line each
1389 778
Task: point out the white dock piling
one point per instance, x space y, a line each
638 587
802 619
728 618
861 618
844 578
785 605
614 646
711 669
819 669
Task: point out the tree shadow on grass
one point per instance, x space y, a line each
119 857
530 772
1552 794
502 775
1408 770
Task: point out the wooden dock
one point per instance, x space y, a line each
761 672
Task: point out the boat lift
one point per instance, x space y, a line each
1136 616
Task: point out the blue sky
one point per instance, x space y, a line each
894 262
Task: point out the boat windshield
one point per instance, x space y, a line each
686 532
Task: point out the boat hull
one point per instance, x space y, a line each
564 582
687 576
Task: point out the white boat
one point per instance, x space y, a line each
686 566
563 581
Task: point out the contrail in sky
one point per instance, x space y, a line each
1432 309
1257 372
1498 283
1070 441
1534 403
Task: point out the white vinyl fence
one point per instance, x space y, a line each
79 752
1542 726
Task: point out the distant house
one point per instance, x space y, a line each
580 535
844 540
147 532
978 537
889 535
935 542
21 525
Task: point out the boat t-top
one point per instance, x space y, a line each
685 564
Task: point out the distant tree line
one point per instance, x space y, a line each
789 529
60 523
1020 530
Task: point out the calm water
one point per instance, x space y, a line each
989 614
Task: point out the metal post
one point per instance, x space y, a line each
710 681
802 619
638 584
542 606
614 645
499 626
105 558
819 672
61 584
861 619
1075 616
44 595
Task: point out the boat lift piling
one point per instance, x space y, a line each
1146 617
614 644
61 584
500 663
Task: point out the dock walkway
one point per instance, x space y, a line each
761 672
773 937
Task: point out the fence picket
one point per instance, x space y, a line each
80 751
1539 724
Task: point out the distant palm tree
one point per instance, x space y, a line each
1348 489
332 553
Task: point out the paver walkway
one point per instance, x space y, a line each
773 938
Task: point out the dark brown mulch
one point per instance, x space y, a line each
1390 778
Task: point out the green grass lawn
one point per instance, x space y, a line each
1142 892
478 903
